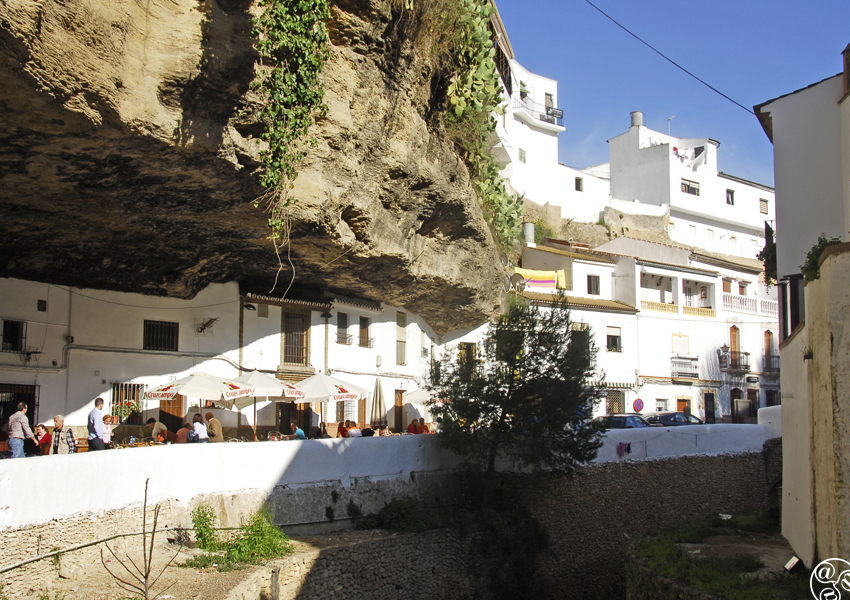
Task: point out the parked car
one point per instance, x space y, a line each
672 419
622 421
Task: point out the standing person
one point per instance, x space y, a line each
200 429
63 437
214 428
107 430
45 441
95 426
19 430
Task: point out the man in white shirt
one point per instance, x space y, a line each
95 427
354 431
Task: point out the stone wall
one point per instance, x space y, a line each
592 520
435 564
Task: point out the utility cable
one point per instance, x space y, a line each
670 60
70 291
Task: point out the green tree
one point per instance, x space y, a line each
528 398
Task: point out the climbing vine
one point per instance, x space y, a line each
292 41
474 94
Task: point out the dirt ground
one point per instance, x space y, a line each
77 580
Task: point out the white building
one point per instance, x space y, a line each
64 347
675 329
810 131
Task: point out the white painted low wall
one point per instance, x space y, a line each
656 442
771 418
295 477
36 490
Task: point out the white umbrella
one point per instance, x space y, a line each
420 396
203 386
379 410
264 385
324 388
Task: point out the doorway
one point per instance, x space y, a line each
398 420
683 404
171 412
739 406
709 407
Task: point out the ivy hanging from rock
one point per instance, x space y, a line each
292 40
474 94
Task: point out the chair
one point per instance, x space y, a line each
274 435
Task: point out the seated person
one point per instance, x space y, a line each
181 437
368 432
353 430
297 433
413 427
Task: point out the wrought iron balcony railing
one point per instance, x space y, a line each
540 112
685 366
732 360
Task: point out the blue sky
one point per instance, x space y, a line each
750 50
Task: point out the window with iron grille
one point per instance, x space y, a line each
14 336
615 403
401 339
342 336
126 398
11 394
365 341
161 335
295 328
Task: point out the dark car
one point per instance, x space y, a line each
672 419
622 421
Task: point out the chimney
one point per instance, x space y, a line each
846 54
637 118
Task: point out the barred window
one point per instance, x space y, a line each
161 335
14 336
295 339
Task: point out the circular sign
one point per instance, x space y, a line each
638 404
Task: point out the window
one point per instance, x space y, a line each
772 398
550 100
593 285
614 340
263 311
580 336
690 187
680 344
672 225
730 197
42 305
660 404
692 229
295 334
734 239
763 206
14 336
710 233
425 345
466 353
579 184
615 402
521 155
126 398
342 336
11 394
727 286
401 338
365 340
161 335
742 288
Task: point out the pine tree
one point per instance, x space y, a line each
528 398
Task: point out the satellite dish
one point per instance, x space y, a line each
506 284
518 282
503 258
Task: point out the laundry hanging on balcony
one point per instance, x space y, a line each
543 279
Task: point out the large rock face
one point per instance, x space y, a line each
128 160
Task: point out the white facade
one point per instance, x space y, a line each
675 330
93 343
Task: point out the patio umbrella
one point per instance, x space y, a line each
420 396
264 385
203 386
324 388
379 410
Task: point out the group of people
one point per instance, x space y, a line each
61 441
418 426
198 431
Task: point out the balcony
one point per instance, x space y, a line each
343 338
538 115
366 342
686 367
750 305
771 364
697 311
734 361
659 307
